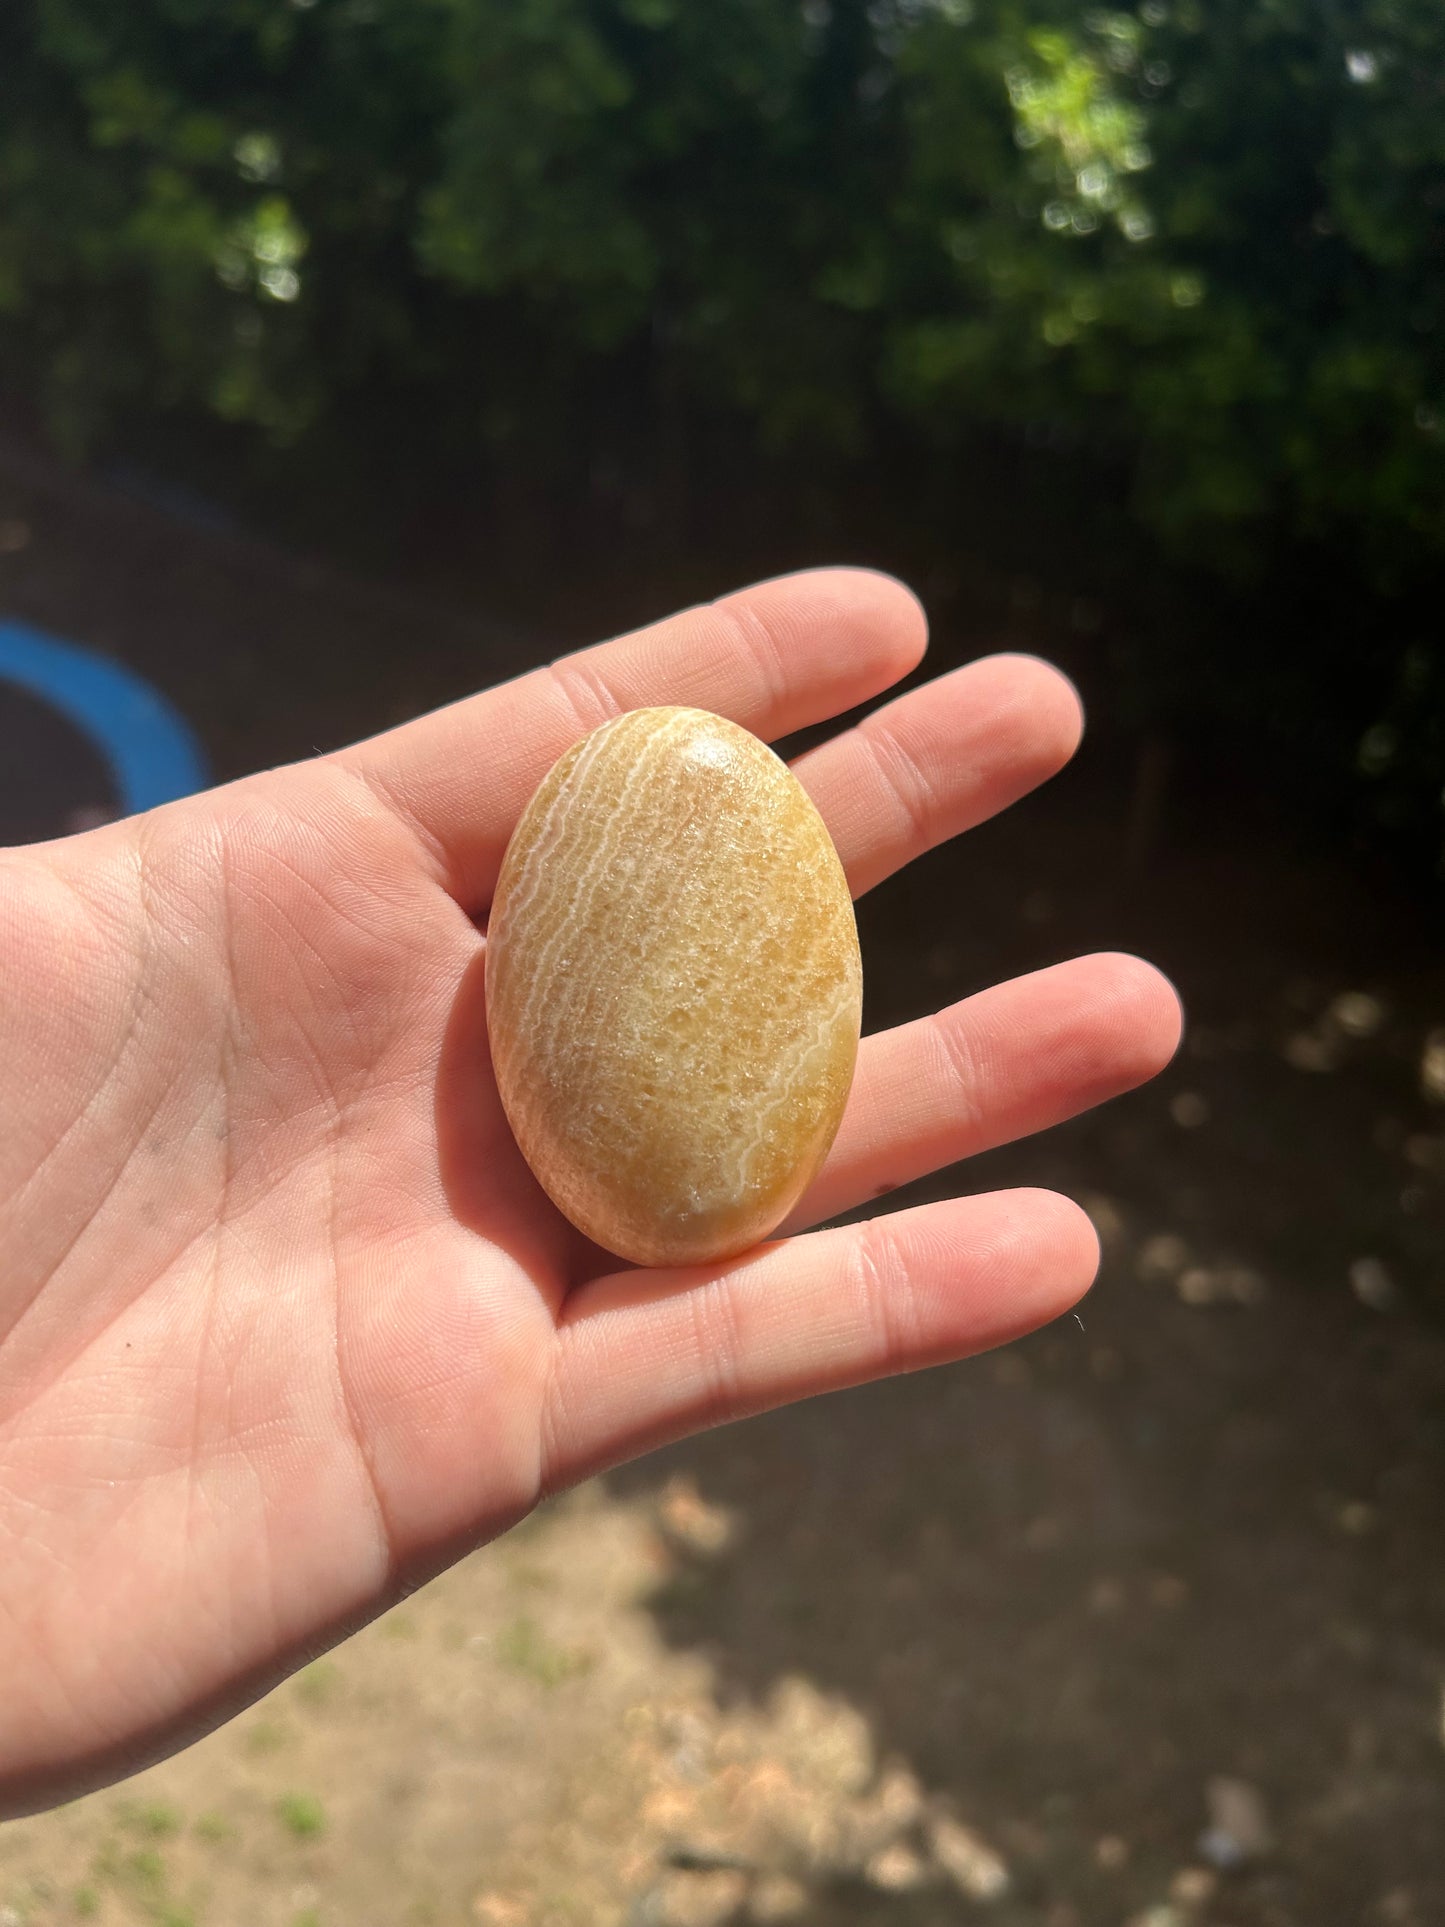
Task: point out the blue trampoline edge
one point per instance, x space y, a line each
152 751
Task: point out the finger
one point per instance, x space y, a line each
998 1066
775 658
939 760
647 1356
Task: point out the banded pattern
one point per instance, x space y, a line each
674 991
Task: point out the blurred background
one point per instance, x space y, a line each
355 354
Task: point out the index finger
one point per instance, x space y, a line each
775 658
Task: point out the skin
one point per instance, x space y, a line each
285 1323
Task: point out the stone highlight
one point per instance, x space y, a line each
674 989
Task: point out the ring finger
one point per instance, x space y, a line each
996 1067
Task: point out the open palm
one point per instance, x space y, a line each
286 1323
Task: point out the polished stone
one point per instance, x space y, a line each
674 988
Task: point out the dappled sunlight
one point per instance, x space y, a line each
1087 138
519 1747
1117 330
1432 1067
637 1787
265 247
1090 1632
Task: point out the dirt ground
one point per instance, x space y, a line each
1140 1623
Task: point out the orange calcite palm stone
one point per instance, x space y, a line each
674 989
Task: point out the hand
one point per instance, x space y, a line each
285 1322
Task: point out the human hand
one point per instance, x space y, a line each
285 1321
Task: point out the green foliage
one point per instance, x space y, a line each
261 1736
1212 236
302 1815
1207 243
318 1684
1221 241
153 1819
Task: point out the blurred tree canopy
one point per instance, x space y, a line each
1202 238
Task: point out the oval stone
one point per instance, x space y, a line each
674 990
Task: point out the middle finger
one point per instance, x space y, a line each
940 759
1000 1065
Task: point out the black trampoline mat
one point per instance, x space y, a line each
53 780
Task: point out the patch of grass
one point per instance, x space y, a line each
266 1736
398 1625
144 1872
214 1827
152 1819
302 1815
105 1863
318 1684
139 1877
524 1648
309 1917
